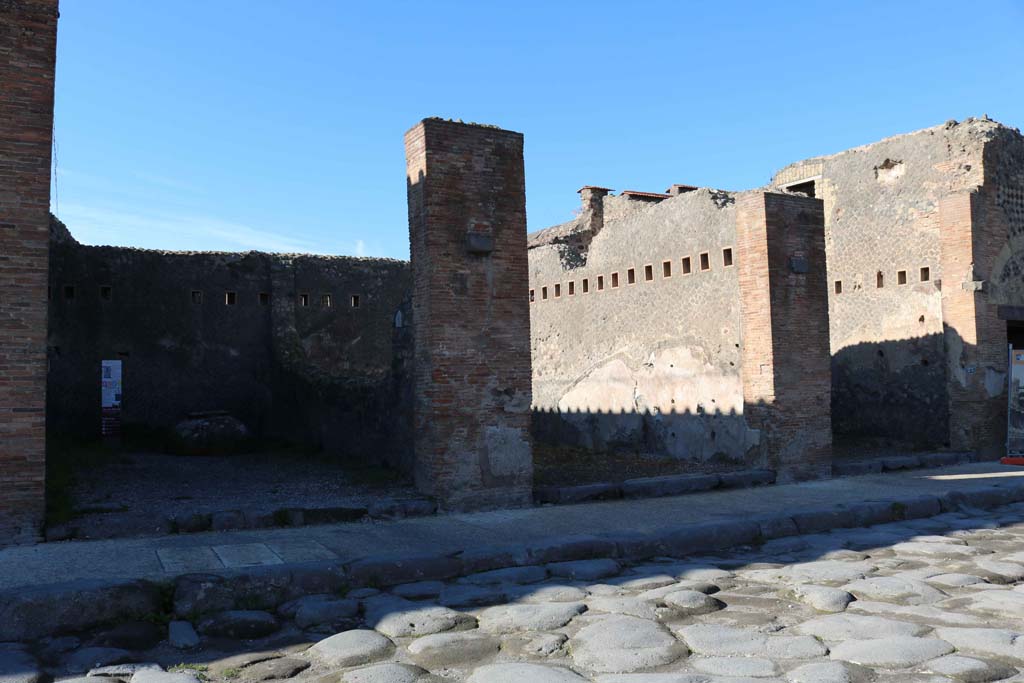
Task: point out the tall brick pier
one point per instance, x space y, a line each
28 41
471 319
784 305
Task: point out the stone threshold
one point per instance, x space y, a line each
27 613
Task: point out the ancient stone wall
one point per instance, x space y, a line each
28 39
636 333
305 348
886 278
467 229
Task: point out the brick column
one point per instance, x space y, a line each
471 318
975 337
28 40
786 369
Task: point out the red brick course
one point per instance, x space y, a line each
780 241
471 320
975 337
28 39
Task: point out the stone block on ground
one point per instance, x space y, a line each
352 648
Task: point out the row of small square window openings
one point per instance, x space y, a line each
924 275
666 272
230 298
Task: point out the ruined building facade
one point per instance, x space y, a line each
640 329
864 297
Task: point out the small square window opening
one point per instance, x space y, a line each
901 277
648 273
705 261
727 257
264 298
586 285
230 298
304 300
926 274
687 269
197 296
615 280
666 269
631 276
354 301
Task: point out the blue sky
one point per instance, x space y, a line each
277 124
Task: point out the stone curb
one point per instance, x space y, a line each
676 484
651 487
30 613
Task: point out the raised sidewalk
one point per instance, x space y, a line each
79 583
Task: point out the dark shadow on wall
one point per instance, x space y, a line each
890 393
581 446
289 355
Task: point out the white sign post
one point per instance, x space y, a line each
110 397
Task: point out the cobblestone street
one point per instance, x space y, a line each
935 599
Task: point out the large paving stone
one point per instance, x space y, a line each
954 580
523 673
624 605
830 672
751 667
837 627
443 650
541 617
275 669
822 598
389 672
895 589
968 669
658 594
150 676
896 652
715 640
824 572
542 593
690 603
675 678
1001 570
922 614
621 644
939 550
401 618
1007 604
352 648
986 641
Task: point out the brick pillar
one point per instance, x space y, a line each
28 40
471 318
975 337
784 306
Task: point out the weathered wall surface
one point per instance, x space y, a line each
28 41
467 233
920 357
652 365
785 329
279 358
882 219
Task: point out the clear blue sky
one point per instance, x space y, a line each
277 124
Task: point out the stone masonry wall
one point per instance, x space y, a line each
467 229
28 40
887 279
294 356
631 351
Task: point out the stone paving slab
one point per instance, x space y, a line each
161 558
